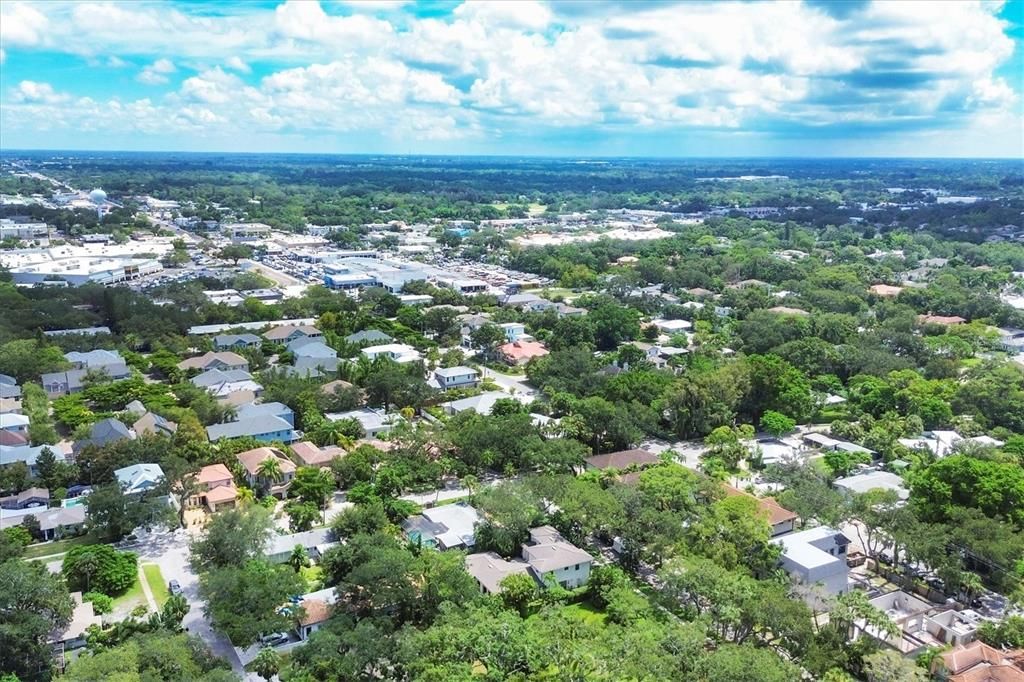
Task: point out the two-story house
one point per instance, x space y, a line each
448 378
216 488
266 428
256 474
224 361
236 341
816 556
399 352
287 333
547 557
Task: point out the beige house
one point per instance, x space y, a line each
223 360
251 460
218 488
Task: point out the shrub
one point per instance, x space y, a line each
101 568
101 603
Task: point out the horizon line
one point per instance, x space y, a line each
7 151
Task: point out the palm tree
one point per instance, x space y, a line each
471 483
270 469
246 495
299 558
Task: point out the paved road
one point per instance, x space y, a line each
169 550
510 383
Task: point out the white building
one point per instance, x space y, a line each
816 556
399 352
448 378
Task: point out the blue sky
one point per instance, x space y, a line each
563 77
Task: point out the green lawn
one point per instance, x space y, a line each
586 613
56 547
157 584
130 599
314 577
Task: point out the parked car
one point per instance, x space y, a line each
274 639
174 587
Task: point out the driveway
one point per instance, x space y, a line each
169 550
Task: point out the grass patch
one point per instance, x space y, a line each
132 598
314 577
157 584
586 612
56 547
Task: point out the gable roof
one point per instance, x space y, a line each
206 359
312 455
253 426
369 336
623 459
213 473
139 477
284 331
152 423
251 459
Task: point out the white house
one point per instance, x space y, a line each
816 556
513 330
552 558
139 478
374 422
456 377
399 352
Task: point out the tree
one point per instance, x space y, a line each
26 359
232 537
302 516
261 587
112 515
889 666
613 325
994 488
235 252
270 470
730 663
101 568
519 591
776 424
33 603
298 559
487 338
31 524
267 663
312 485
155 656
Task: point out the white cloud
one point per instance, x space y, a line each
237 64
491 67
116 62
21 24
34 92
156 73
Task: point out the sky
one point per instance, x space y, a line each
558 78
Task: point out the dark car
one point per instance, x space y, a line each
174 587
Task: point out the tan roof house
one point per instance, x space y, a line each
252 460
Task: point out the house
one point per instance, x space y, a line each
368 337
552 559
315 542
939 442
254 411
33 497
921 624
816 556
223 384
10 405
217 488
213 377
979 662
373 422
623 459
1011 340
671 327
564 310
944 320
11 439
251 461
57 384
546 557
266 428
235 341
85 331
489 570
104 432
872 480
313 456
521 352
14 423
399 352
286 333
94 359
28 454
9 387
447 378
450 526
139 478
313 354
153 424
513 331
885 290
779 518
53 523
83 617
317 607
481 404
222 360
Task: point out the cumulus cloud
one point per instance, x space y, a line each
34 92
156 73
490 68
